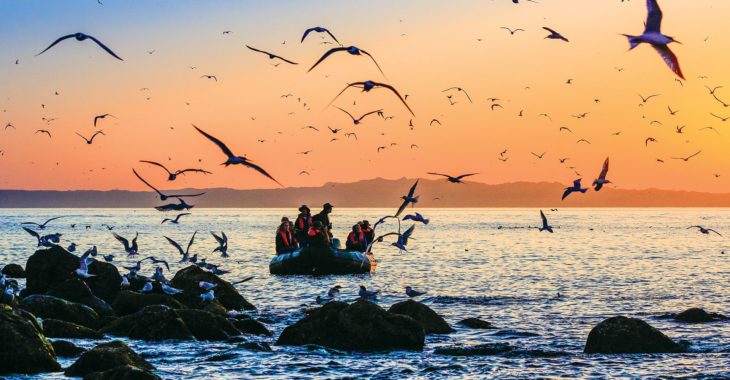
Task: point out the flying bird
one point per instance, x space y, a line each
44 131
353 50
454 179
416 218
705 231
685 159
554 35
91 140
171 176
575 187
186 252
222 243
164 197
233 159
601 180
215 78
460 90
652 35
545 225
511 31
43 225
648 140
272 56
176 220
408 199
358 120
369 85
318 29
131 249
81 37
103 116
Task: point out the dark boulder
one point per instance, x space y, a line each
48 267
207 326
359 326
251 326
129 302
697 315
23 348
124 372
154 323
53 328
256 346
75 290
56 308
66 349
622 335
478 350
13 271
432 323
107 356
106 282
476 323
189 278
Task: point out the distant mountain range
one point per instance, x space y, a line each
374 193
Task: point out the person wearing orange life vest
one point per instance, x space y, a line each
368 232
285 240
302 225
356 239
318 236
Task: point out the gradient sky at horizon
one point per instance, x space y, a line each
423 47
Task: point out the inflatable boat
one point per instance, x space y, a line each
322 261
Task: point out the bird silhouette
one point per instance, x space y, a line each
554 35
171 176
272 56
353 50
369 85
653 36
81 37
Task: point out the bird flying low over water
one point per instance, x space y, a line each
408 199
173 175
81 37
353 50
184 253
164 197
222 243
181 205
575 187
704 230
369 85
454 179
176 220
272 56
601 180
43 225
652 35
554 35
416 218
46 240
318 29
233 159
545 225
131 249
403 238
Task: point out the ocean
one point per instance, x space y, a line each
485 263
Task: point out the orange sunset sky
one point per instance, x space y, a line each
423 48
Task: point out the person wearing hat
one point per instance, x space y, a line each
324 218
302 225
285 240
318 236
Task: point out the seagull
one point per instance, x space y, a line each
125 282
91 140
685 159
43 226
644 100
208 296
171 176
460 90
680 128
164 197
357 121
408 199
453 179
545 226
318 29
353 50
554 35
169 290
723 119
653 36
147 287
176 220
103 116
210 77
83 269
334 131
46 240
72 248
705 231
601 180
272 56
413 293
323 300
369 85
207 285
434 121
186 252
538 155
233 159
672 112
368 295
44 131
181 205
416 218
403 238
648 140
712 129
81 37
348 135
222 243
130 249
512 31
565 129
575 187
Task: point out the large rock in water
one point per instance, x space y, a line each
56 308
152 323
129 302
697 315
75 290
432 323
23 348
13 271
622 335
189 278
207 326
66 349
48 267
360 326
125 372
107 356
54 328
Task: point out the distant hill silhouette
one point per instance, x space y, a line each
375 193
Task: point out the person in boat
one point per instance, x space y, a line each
318 236
356 239
368 231
302 225
285 240
323 217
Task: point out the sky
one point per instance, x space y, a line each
423 47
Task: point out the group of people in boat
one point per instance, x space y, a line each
316 231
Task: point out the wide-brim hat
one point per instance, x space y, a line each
326 205
304 207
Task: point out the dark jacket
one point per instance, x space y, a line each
369 234
324 218
356 242
285 242
303 223
317 238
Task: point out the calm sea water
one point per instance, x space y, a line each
604 262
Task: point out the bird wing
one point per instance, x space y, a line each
261 170
193 170
711 230
306 32
284 59
653 17
567 192
156 164
391 88
669 58
348 114
55 42
443 175
217 238
698 152
185 195
413 189
467 95
176 245
604 170
257 50
105 48
97 118
220 143
374 61
192 239
401 208
95 134
52 219
145 182
544 219
550 30
466 175
369 113
327 54
406 235
121 240
345 89
700 227
32 233
331 35
82 136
